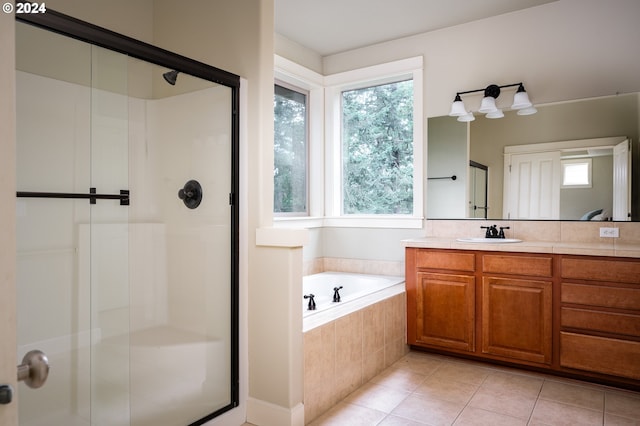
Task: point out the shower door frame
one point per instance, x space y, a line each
71 27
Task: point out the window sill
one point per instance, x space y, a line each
297 222
370 221
404 222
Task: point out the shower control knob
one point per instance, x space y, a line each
191 194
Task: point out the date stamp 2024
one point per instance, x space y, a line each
20 8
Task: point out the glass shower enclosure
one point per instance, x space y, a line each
127 230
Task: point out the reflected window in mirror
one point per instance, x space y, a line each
576 173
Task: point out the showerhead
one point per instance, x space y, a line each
171 77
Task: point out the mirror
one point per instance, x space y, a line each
461 149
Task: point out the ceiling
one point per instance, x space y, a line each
332 26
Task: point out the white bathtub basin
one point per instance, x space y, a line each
358 292
481 240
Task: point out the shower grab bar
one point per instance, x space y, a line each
454 177
92 196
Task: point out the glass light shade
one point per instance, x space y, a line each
488 105
527 111
468 116
521 100
497 114
457 109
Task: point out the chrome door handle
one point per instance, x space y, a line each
34 369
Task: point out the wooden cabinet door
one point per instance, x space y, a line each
445 310
516 318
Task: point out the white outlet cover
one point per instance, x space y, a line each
609 232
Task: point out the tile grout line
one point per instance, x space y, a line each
467 403
535 404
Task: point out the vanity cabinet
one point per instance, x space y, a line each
600 316
497 306
517 307
573 315
443 300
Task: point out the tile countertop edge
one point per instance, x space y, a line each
553 247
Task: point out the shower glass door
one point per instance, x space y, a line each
126 229
180 247
72 246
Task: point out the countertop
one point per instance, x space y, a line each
554 247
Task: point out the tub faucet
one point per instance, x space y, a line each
312 303
336 295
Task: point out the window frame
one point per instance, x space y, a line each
344 148
305 213
325 142
407 69
571 161
289 72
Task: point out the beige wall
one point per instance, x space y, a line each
568 49
298 53
131 18
8 361
448 155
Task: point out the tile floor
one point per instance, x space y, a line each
426 389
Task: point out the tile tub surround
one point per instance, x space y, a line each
537 236
342 355
356 266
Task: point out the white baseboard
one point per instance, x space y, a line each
264 413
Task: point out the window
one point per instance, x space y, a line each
374 149
363 128
290 151
576 173
377 149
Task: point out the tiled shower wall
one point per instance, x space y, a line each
344 354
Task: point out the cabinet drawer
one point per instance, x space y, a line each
607 297
600 355
446 260
602 270
537 266
610 322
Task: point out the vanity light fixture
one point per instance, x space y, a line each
495 114
521 103
467 117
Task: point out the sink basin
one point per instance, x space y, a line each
489 240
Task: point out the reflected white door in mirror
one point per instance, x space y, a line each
535 181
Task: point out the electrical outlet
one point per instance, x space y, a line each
610 232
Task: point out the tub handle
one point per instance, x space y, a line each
312 303
336 294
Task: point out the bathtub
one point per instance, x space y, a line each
358 291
